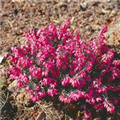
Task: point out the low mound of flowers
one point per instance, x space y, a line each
55 61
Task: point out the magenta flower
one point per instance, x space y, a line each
54 61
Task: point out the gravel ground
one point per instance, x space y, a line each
87 15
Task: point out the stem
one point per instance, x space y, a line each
65 112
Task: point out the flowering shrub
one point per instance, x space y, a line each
54 61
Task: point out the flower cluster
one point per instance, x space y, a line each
55 61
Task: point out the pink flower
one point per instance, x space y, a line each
64 98
3 71
6 55
98 99
111 109
41 94
75 82
74 95
37 87
27 88
20 84
116 62
56 61
87 114
66 81
34 98
52 92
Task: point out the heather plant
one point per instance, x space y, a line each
55 61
